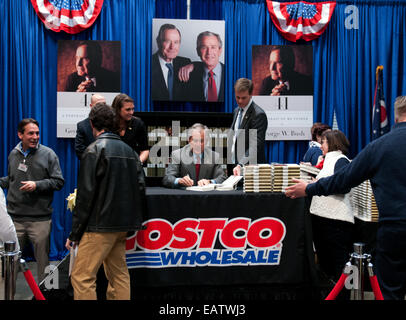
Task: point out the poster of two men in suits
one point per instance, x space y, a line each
188 60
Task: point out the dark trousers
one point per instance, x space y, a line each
390 260
333 241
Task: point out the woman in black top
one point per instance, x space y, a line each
131 129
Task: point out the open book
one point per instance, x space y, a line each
227 185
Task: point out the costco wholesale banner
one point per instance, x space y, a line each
190 242
226 238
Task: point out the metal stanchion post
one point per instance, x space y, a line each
10 269
2 261
358 257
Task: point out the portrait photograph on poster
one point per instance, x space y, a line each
85 67
188 60
283 86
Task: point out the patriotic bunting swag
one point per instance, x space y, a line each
300 19
380 124
71 16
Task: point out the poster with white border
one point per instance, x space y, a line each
85 67
283 88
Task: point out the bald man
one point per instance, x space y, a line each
84 134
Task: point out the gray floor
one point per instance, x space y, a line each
23 291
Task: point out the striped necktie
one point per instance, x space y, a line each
170 79
212 89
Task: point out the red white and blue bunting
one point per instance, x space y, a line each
71 16
300 19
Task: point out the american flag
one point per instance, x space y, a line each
71 16
301 19
380 124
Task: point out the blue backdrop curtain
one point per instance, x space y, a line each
344 63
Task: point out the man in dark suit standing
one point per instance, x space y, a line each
90 76
206 78
283 80
246 141
165 65
84 133
194 164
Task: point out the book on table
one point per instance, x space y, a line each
228 185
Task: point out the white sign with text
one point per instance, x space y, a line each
289 117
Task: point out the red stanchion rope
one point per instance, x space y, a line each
33 285
337 288
375 288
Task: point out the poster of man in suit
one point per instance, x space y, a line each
188 60
85 67
283 88
282 70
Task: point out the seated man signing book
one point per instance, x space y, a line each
194 164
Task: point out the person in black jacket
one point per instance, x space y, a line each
110 203
84 134
131 129
380 162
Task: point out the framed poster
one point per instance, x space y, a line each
188 60
84 68
283 87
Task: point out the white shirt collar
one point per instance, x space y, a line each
216 71
286 83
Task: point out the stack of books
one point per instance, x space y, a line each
258 178
270 177
363 201
282 175
307 171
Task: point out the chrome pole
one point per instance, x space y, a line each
358 257
10 265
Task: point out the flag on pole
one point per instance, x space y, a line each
71 16
380 124
300 19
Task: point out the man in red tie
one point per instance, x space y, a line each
206 78
195 163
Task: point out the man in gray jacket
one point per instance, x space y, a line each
33 176
194 164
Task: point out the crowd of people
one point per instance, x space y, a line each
112 138
377 162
